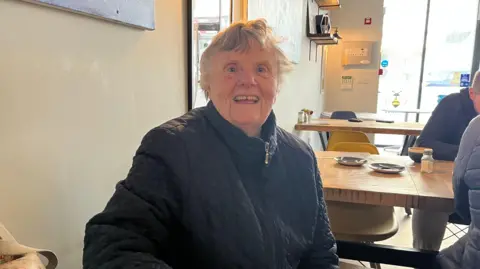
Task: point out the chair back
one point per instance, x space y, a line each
343 115
346 136
355 147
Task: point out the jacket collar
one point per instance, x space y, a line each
250 148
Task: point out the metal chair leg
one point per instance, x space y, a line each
373 264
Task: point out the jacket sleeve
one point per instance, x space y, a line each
437 130
323 253
465 175
134 229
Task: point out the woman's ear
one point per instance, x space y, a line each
206 90
205 83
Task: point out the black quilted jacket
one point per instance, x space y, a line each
202 194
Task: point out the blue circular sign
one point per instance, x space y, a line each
384 63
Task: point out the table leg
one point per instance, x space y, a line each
409 142
408 211
322 140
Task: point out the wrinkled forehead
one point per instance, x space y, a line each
253 53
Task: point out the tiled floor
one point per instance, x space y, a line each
404 237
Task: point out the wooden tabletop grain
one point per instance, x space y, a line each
410 188
373 127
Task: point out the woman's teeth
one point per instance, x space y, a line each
250 98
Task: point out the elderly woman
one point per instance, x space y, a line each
465 253
221 186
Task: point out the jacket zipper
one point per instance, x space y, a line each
267 152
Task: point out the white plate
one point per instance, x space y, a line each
350 161
387 168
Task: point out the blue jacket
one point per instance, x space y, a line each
202 194
465 253
445 127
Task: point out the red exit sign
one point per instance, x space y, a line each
367 21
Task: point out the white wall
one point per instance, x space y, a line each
350 22
302 89
76 96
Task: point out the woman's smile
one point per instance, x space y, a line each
246 99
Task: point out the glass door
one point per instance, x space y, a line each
401 60
427 46
449 50
208 18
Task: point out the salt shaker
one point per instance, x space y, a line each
301 117
427 161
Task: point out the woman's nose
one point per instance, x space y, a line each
247 78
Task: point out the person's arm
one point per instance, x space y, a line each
438 130
323 253
134 230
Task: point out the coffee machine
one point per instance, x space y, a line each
322 24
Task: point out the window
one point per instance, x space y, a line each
208 17
428 45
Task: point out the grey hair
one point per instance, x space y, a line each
476 83
237 37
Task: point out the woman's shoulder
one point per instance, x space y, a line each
190 120
177 129
193 119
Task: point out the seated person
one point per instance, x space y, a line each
222 186
443 133
445 127
465 253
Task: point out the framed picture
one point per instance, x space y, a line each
205 18
134 13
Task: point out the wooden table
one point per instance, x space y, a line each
409 129
410 189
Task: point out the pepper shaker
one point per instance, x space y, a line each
427 164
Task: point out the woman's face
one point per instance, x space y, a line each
243 86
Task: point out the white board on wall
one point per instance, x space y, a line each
285 18
135 13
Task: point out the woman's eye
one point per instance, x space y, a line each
261 69
231 69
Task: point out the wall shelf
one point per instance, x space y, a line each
318 39
328 4
327 39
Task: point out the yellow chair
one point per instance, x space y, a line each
346 136
355 147
359 222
